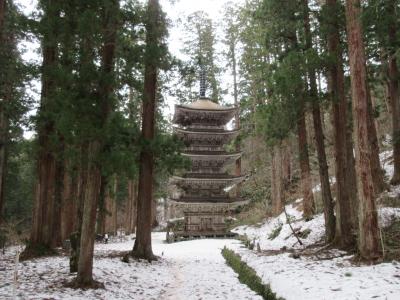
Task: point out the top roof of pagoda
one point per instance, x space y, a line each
203 111
205 104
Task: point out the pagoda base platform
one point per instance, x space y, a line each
178 236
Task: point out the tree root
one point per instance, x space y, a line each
35 251
87 285
139 255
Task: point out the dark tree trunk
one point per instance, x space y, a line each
343 149
75 237
102 211
238 163
142 247
90 200
393 87
96 147
45 225
4 121
369 246
286 164
111 218
378 178
330 221
130 222
308 197
69 202
277 180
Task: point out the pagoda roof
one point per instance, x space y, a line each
211 154
221 199
197 207
206 180
203 111
205 104
206 131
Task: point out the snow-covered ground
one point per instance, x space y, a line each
314 275
186 270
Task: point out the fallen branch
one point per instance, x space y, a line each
290 225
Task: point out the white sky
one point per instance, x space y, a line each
175 10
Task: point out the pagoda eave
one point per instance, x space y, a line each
225 200
217 206
227 181
186 116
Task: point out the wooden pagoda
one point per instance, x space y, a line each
203 195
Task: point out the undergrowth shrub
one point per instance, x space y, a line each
248 276
276 231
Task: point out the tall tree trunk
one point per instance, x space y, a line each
393 87
308 197
103 208
345 214
75 237
96 147
69 203
238 163
286 163
91 196
330 221
142 247
115 206
4 121
277 180
368 218
378 178
154 222
130 222
44 233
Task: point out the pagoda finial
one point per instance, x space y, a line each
202 82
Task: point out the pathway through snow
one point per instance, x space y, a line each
187 270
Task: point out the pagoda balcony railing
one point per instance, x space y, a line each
200 199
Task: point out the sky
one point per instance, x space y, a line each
176 10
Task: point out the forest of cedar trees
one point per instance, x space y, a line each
87 148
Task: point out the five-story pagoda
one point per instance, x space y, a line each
204 196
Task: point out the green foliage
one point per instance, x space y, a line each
19 184
304 233
199 47
247 275
276 231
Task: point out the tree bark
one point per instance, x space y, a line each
103 208
238 163
75 236
4 121
115 206
91 196
330 221
45 220
286 163
378 178
369 246
7 44
393 88
343 150
130 222
277 180
68 210
142 247
308 197
96 146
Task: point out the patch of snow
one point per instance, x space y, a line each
387 215
186 270
309 279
